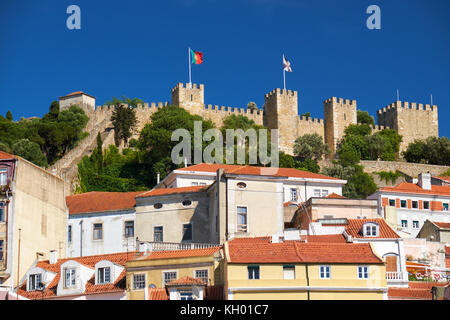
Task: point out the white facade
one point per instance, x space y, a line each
82 236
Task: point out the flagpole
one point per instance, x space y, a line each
189 56
284 76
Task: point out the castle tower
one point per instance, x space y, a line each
190 98
338 114
410 120
281 112
79 98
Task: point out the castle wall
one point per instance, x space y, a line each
309 126
85 102
412 121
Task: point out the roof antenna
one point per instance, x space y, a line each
398 96
431 96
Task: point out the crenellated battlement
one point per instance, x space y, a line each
413 106
281 92
235 110
140 106
311 120
181 85
340 101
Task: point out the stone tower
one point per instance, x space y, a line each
338 114
79 98
281 113
190 98
412 121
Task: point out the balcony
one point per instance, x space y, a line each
394 276
170 246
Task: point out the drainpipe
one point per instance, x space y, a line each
307 280
81 238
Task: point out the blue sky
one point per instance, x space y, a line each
139 49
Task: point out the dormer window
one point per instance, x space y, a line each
34 282
69 277
371 229
104 275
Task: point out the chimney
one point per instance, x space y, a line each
291 234
39 256
53 256
276 238
424 181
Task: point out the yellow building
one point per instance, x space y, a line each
273 268
193 274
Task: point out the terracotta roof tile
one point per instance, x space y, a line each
253 170
100 201
411 188
5 155
445 178
415 290
335 196
181 253
354 228
160 192
442 225
75 94
328 238
89 261
157 294
263 251
186 281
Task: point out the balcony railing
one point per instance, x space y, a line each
166 246
394 275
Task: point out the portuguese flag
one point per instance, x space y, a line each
196 57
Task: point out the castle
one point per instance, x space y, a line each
412 121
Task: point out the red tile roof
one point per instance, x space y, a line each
204 252
186 281
354 228
5 155
157 294
75 94
259 171
263 251
447 257
90 288
161 192
445 178
328 238
335 196
100 201
442 225
412 188
415 290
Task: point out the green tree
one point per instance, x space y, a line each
124 122
364 117
352 149
310 146
30 151
432 150
9 116
307 115
358 130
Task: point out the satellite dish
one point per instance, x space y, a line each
152 286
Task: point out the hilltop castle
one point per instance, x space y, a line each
412 121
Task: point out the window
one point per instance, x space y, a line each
416 224
426 205
129 229
187 232
158 234
3 176
288 272
253 272
325 272
242 219
363 272
293 194
316 192
391 202
194 183
444 207
1 250
403 203
404 224
138 281
158 205
69 277
202 184
241 185
415 205
104 275
35 281
371 230
98 231
169 276
69 233
186 295
186 203
2 212
202 274
324 193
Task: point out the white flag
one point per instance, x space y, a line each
286 65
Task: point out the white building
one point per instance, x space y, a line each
101 223
407 206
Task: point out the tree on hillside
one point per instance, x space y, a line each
307 115
432 150
310 146
123 119
364 117
30 151
9 116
